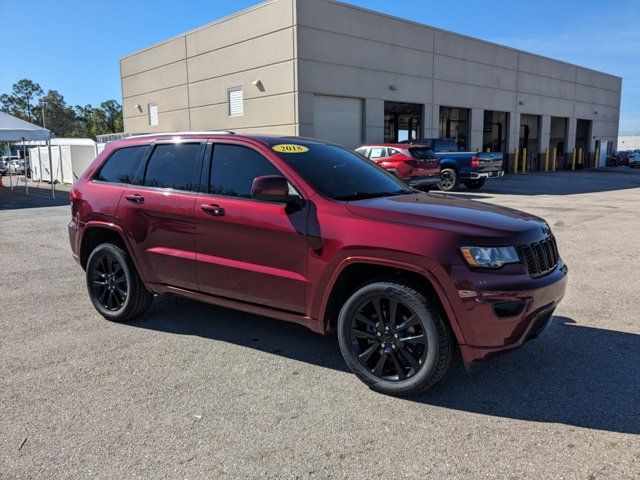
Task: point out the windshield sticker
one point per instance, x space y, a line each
290 148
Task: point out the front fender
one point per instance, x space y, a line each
425 273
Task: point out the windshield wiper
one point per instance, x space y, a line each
365 195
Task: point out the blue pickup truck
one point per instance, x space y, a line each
471 168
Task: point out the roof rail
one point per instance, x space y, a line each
210 132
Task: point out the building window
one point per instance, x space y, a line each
236 101
153 113
402 121
454 124
495 131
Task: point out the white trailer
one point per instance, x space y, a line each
70 158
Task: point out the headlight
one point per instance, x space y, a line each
489 257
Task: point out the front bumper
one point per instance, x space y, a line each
487 334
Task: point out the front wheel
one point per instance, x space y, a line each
115 289
394 339
475 184
449 180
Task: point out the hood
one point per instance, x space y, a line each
483 223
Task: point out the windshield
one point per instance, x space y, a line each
341 174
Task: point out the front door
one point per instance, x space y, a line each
158 213
248 250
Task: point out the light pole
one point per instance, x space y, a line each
42 104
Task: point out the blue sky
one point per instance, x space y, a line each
73 47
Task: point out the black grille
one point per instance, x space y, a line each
541 257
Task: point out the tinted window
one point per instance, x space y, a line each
121 166
172 166
421 152
446 145
234 168
343 175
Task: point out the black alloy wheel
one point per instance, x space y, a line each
114 286
394 338
448 180
109 282
388 339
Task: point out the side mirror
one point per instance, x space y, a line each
273 188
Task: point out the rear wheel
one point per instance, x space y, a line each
114 286
394 339
475 184
449 180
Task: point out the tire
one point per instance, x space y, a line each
361 336
449 180
114 286
475 184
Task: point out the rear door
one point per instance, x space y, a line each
157 213
248 250
427 161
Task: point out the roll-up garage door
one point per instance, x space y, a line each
338 119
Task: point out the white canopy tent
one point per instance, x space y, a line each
13 129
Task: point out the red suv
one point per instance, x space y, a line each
312 233
416 165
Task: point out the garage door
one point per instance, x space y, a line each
338 119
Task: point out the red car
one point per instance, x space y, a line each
312 233
416 165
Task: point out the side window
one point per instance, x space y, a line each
393 151
362 151
172 166
233 169
121 166
377 153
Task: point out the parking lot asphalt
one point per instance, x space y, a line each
195 391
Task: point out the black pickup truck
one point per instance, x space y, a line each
471 168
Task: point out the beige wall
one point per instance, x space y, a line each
348 51
302 48
188 76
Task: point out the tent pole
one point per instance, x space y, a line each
60 164
53 188
10 174
24 154
40 162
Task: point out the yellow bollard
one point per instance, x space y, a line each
580 156
488 150
523 167
554 159
515 160
573 159
478 150
596 154
546 159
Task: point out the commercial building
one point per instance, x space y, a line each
330 70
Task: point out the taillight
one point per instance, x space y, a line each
73 195
475 161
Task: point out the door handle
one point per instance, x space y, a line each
135 198
212 209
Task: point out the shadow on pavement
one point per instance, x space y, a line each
556 183
574 375
38 197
